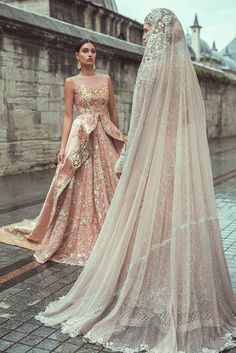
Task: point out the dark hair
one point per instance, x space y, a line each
82 42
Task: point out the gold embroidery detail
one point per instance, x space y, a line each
80 156
92 99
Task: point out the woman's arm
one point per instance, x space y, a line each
112 105
113 115
68 117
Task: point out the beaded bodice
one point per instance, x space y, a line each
91 94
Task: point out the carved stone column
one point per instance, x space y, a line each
128 36
88 17
119 26
115 22
109 20
98 19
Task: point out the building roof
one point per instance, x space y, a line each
214 46
231 49
108 4
191 51
205 50
215 55
228 63
195 23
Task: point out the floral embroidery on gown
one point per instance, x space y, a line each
83 186
157 278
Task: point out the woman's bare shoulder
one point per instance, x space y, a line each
70 82
71 78
104 76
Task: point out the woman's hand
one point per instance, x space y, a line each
61 155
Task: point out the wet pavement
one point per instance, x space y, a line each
27 287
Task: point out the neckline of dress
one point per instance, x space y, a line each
96 75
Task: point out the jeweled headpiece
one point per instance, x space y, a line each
159 37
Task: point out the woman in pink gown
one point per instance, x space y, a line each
85 180
157 279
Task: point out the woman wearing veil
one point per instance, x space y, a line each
157 279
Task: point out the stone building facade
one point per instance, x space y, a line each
211 57
37 54
219 95
100 16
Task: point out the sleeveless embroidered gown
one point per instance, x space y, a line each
83 185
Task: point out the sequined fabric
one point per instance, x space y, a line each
165 29
83 185
157 279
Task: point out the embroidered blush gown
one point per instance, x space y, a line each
157 278
83 186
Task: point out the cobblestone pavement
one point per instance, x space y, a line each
27 287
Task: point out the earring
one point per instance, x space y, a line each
78 65
94 66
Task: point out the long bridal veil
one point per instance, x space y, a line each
157 279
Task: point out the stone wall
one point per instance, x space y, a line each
87 14
37 54
38 6
219 94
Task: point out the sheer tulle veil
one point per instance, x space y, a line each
157 279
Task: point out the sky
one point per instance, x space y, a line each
217 17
